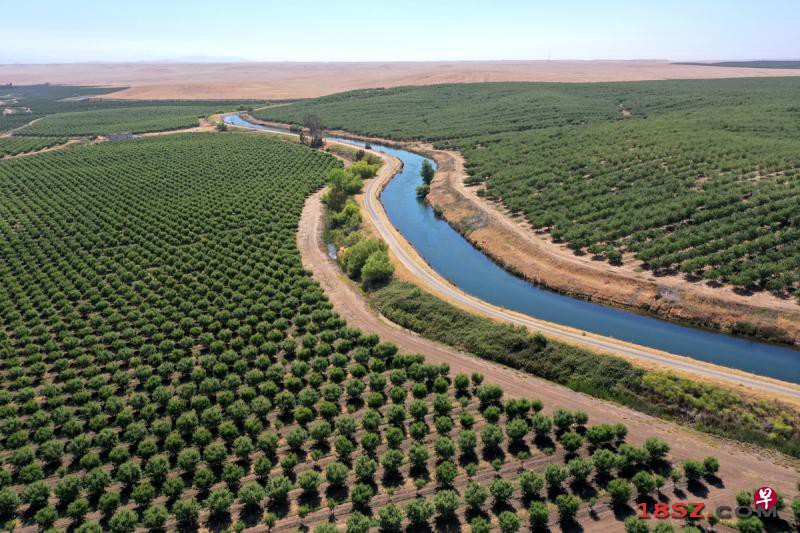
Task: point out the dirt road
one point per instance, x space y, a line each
742 466
426 277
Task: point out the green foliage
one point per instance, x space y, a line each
426 171
711 408
19 145
697 176
355 257
377 269
364 169
619 490
567 507
418 511
138 119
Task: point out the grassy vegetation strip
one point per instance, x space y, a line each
20 145
698 177
707 407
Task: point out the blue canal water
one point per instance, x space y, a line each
457 260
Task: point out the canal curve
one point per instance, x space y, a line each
454 258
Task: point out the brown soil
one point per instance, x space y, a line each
513 243
306 80
742 466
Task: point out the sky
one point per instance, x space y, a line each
58 31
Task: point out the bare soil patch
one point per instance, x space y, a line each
307 80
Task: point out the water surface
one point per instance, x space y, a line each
452 256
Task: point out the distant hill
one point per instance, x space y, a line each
750 64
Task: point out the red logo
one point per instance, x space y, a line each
765 498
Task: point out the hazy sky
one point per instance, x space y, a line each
355 30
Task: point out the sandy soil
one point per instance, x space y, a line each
742 466
511 241
305 80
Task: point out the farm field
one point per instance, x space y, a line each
690 177
118 120
33 102
21 145
166 361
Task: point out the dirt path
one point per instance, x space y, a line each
512 242
62 146
742 466
412 267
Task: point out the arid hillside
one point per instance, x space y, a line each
307 80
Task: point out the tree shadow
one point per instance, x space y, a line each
776 525
714 481
420 472
280 508
571 527
583 490
697 488
448 524
622 511
517 447
250 515
336 493
219 522
391 479
544 442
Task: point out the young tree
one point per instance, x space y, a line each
313 124
426 171
620 491
123 521
554 475
508 522
531 484
418 511
693 470
567 507
219 501
154 517
479 525
361 495
501 491
446 502
390 519
475 495
539 515
644 482
634 524
580 469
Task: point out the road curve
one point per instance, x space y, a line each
431 280
741 465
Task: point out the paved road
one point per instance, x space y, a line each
431 280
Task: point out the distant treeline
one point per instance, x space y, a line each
750 64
